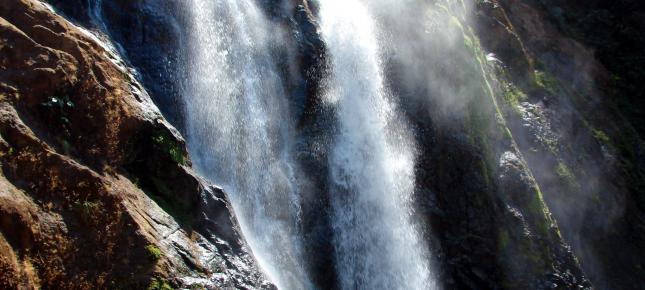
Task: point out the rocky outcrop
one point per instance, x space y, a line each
96 188
151 37
565 100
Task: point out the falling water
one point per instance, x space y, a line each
240 136
372 163
239 131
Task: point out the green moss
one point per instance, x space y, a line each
503 240
507 133
479 127
168 201
8 152
87 209
484 104
170 146
543 228
542 80
565 174
563 170
601 136
551 144
536 206
514 97
153 253
479 121
158 284
539 210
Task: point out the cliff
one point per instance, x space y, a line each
96 189
525 114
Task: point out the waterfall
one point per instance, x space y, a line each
240 132
372 163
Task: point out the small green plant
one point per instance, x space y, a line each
507 133
60 107
170 146
503 240
551 144
563 171
159 284
9 152
565 174
153 253
601 136
60 103
536 206
514 97
86 208
544 81
197 287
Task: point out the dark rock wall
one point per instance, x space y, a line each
579 125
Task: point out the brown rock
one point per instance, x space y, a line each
73 211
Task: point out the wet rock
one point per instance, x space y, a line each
82 205
573 122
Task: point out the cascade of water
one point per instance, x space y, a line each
239 131
372 163
239 137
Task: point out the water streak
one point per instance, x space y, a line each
239 131
372 163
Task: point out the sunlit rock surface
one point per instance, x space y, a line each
96 188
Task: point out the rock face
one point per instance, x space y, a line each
96 189
578 125
535 180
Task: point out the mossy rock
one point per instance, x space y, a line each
159 284
153 253
544 81
170 146
566 175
